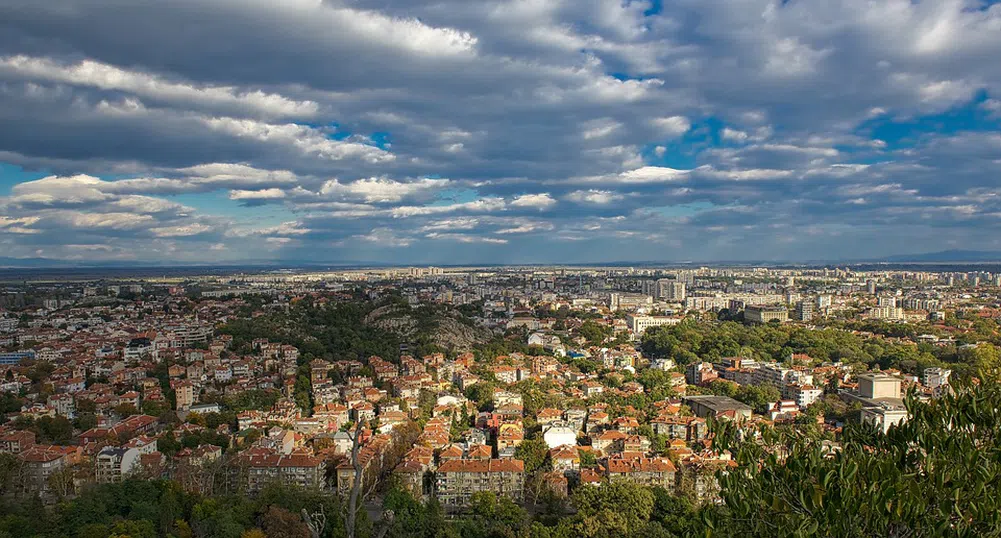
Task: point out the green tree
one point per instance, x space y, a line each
132 529
926 477
534 453
278 522
618 508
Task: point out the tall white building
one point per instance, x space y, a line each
934 378
675 292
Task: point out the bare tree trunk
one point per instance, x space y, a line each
356 486
315 521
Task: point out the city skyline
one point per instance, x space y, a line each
508 132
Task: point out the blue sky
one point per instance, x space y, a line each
501 131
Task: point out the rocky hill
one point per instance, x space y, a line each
438 326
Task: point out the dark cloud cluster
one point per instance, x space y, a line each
499 131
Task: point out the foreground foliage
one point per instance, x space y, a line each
147 509
936 475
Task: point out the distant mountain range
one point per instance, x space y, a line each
27 263
38 263
948 256
945 256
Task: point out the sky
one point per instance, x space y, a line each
498 131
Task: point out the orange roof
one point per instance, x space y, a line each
549 412
482 466
45 453
612 435
564 452
590 476
480 452
652 465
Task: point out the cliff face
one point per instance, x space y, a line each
442 328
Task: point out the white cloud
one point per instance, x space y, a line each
645 174
744 175
734 135
305 139
525 228
600 128
79 189
465 238
264 194
483 205
507 99
672 126
789 58
181 231
18 225
108 77
594 196
460 223
404 33
383 237
290 228
534 201
992 106
113 221
381 189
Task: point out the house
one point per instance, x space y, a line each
565 458
184 394
451 452
222 373
16 441
112 464
410 473
608 441
506 374
479 452
204 409
343 442
548 415
509 436
137 349
558 435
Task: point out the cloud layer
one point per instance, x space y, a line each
498 131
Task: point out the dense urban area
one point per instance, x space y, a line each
520 402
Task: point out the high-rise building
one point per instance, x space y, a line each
871 287
804 311
888 301
672 290
652 287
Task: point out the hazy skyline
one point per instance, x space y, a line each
526 131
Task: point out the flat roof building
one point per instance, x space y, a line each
706 406
765 314
877 385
